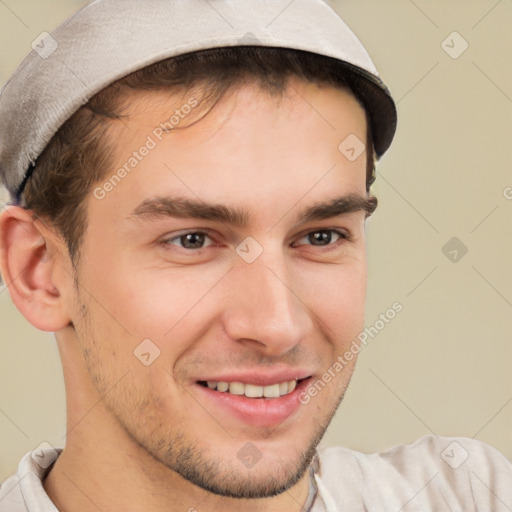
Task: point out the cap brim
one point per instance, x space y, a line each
377 100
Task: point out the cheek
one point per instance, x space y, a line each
336 295
168 306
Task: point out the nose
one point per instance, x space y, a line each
266 311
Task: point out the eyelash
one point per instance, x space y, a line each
343 237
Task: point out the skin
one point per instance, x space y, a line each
135 431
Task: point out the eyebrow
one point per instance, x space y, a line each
339 206
180 207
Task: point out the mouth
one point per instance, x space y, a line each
266 404
276 390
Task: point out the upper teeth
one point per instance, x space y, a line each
252 391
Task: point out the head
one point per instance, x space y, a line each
195 236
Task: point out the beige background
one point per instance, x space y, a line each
443 365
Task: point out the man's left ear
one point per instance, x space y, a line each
32 265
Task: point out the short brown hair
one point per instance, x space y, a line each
79 155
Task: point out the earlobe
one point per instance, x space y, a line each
29 255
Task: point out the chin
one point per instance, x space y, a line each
242 472
249 479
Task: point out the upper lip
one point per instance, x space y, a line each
258 378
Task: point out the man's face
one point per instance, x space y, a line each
268 312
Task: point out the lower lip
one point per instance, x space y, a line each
259 412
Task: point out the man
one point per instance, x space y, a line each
190 184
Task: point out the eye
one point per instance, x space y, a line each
190 240
321 238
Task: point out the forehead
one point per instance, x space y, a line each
244 105
250 144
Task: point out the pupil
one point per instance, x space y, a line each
192 240
320 238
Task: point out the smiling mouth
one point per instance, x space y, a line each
251 390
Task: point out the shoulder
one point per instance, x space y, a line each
434 472
11 497
24 491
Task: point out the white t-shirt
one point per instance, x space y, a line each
434 474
